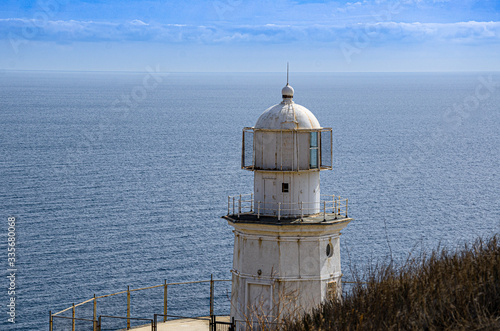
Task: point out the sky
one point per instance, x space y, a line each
250 36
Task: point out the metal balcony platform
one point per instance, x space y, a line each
319 218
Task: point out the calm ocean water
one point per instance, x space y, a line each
110 193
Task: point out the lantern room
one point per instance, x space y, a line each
286 149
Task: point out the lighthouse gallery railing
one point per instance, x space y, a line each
95 320
245 204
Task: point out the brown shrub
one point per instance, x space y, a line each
445 290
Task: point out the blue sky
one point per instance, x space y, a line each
242 35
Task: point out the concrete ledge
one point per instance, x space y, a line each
187 324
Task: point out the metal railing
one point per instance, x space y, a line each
239 203
220 325
96 318
245 204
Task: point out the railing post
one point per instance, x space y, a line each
228 205
279 211
233 207
346 207
258 210
51 325
239 206
128 307
165 301
156 323
301 210
211 295
94 316
73 322
251 202
335 206
99 324
324 210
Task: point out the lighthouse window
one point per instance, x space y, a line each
326 148
313 163
284 187
329 250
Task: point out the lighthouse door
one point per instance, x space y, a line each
259 304
270 205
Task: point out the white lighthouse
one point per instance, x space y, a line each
286 234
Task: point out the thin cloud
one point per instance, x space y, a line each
137 30
460 31
138 22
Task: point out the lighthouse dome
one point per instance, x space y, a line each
287 115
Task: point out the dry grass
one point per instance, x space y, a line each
442 291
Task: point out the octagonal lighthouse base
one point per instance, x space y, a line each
283 267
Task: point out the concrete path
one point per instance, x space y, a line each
187 324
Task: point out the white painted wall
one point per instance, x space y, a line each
302 187
287 266
283 156
286 150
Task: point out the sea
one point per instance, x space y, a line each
119 180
